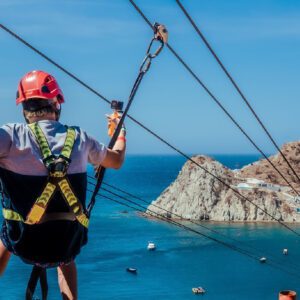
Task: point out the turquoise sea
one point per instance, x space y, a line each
119 236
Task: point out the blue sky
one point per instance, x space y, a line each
103 43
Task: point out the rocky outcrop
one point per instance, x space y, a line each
264 170
198 194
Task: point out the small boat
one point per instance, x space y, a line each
198 290
151 246
131 270
263 259
285 251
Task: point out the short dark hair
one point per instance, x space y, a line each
38 107
36 104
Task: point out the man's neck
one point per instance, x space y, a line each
50 117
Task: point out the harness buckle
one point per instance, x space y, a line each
35 214
58 167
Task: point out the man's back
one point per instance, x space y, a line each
24 176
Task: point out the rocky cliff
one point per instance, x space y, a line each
263 169
197 195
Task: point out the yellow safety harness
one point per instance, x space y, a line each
57 180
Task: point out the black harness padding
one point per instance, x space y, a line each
52 242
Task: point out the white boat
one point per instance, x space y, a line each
131 270
285 251
263 259
151 246
198 290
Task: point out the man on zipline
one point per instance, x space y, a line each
43 167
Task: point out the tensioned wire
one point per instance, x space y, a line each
244 252
76 78
139 123
228 114
230 246
238 89
262 253
214 98
95 92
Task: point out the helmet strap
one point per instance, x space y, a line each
57 113
27 121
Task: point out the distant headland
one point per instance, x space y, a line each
196 195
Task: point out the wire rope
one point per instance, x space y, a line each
227 245
222 107
140 124
246 101
214 98
262 253
232 247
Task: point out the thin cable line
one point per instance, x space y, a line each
162 217
106 100
147 129
54 63
235 85
140 199
92 90
213 97
217 101
262 253
227 245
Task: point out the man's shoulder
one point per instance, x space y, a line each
79 130
14 127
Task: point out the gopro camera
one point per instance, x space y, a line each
117 105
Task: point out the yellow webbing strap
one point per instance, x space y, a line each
36 213
43 143
9 214
69 143
73 202
38 209
41 139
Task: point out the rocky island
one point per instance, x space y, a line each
196 195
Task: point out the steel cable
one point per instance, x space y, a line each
227 113
216 101
236 86
262 253
143 126
227 245
106 100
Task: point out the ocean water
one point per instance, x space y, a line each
118 239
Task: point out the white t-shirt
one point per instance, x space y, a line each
20 153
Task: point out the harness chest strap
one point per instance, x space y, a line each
39 208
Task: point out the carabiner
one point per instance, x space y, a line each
146 63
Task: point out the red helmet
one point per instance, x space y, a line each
40 85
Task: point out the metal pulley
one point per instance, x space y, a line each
161 36
161 32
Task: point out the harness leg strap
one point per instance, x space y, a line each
36 274
73 202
